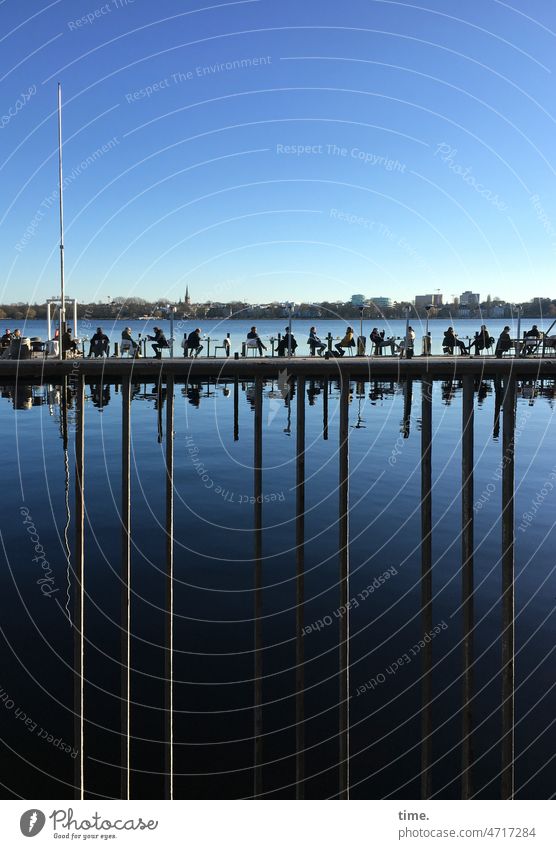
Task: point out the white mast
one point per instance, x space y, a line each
60 183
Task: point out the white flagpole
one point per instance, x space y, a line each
60 184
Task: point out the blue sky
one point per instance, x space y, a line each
279 151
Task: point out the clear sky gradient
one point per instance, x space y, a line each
279 150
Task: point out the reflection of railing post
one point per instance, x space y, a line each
300 593
325 409
258 511
467 582
236 408
508 636
169 611
344 579
125 593
79 590
426 583
407 403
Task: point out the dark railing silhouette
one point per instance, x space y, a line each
506 374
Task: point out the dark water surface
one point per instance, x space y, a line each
214 592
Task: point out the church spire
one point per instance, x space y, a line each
187 298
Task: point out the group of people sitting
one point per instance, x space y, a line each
483 341
480 342
287 344
9 341
100 344
379 340
191 342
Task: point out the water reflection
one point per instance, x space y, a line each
291 401
25 397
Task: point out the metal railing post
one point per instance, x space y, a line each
79 591
300 592
426 583
125 594
343 524
169 611
508 599
258 591
467 582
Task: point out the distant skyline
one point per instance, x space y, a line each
271 152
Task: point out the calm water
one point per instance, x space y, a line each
238 330
214 599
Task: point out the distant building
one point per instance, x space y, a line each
470 299
357 300
421 301
187 298
381 302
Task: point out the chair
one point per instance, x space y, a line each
531 345
313 347
489 348
379 347
225 346
251 345
351 348
548 343
101 349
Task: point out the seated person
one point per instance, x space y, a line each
129 340
159 342
451 341
347 342
68 342
531 338
254 335
410 341
6 338
482 340
314 343
99 344
504 342
193 342
380 342
287 343
14 351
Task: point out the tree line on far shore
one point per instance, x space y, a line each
137 308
